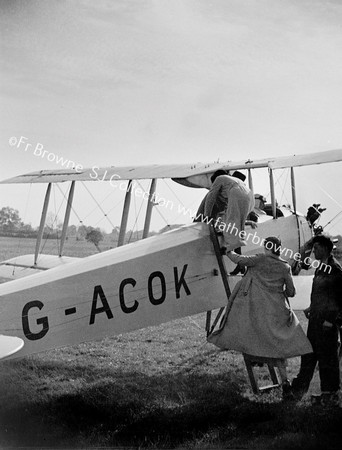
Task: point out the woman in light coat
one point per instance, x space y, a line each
259 320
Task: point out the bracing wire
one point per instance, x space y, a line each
102 201
330 221
156 204
99 206
24 219
56 218
285 171
109 211
179 200
54 221
161 215
72 208
335 201
169 187
116 204
136 219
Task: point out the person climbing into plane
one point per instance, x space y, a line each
252 220
234 201
217 207
259 320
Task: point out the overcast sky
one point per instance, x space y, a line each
131 82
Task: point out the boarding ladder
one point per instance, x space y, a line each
213 236
251 362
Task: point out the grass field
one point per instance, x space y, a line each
161 387
11 247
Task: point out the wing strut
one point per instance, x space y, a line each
296 265
42 223
293 190
67 216
273 199
127 203
150 205
250 181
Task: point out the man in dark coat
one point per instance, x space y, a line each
325 318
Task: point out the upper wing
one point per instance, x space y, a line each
194 175
115 174
306 160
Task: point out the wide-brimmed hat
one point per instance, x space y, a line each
260 197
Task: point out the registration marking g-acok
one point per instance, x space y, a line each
101 305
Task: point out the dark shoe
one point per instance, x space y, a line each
288 395
297 395
298 389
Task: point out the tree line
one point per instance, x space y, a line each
11 225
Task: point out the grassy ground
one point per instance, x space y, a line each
161 387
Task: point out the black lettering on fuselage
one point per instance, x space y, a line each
179 282
127 309
153 299
42 321
156 287
98 291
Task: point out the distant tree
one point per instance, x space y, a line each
53 224
27 230
9 219
82 231
72 231
95 236
26 227
115 233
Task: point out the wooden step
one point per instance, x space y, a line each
272 363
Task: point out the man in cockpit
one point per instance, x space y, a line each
259 207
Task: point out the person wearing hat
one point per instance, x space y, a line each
259 320
325 320
234 201
259 207
217 208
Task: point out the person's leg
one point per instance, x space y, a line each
301 383
328 360
285 383
282 370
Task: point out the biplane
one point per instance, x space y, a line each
51 301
